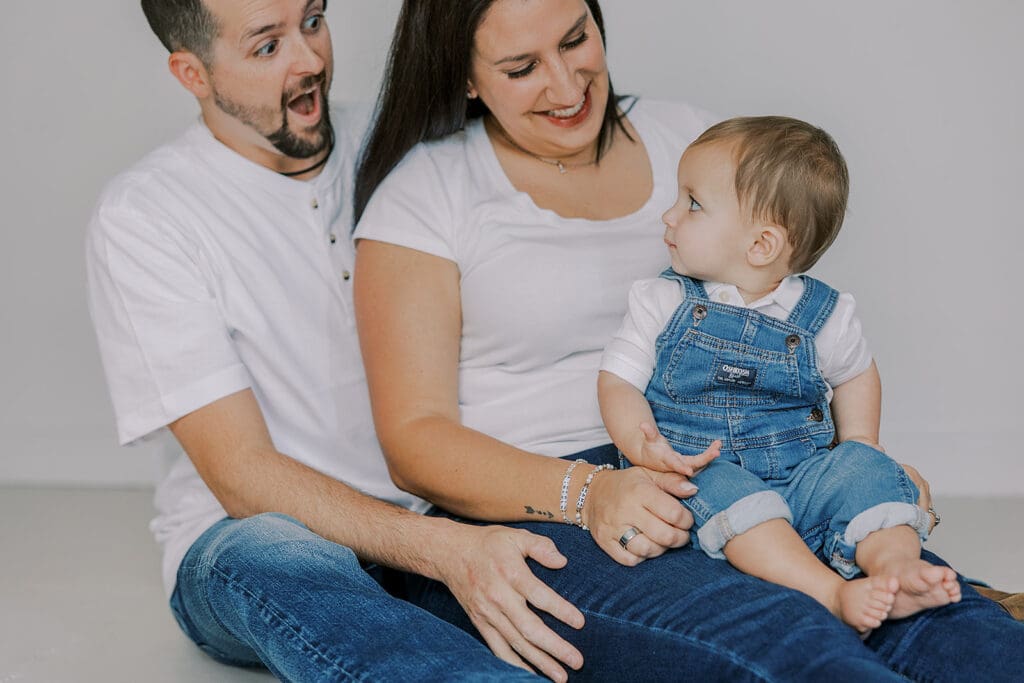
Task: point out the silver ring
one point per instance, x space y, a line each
933 513
631 533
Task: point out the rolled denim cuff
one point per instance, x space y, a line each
882 516
740 517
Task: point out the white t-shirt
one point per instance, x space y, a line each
840 346
541 294
209 274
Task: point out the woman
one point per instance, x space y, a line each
493 266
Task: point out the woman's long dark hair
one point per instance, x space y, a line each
423 96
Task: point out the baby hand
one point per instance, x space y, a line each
657 454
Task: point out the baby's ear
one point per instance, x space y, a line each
770 244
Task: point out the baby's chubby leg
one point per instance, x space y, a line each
896 552
775 552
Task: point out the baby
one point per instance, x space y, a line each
731 348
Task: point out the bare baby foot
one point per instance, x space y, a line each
865 603
923 586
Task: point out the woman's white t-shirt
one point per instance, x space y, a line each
541 294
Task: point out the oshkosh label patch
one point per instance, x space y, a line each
735 374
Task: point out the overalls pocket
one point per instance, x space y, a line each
712 371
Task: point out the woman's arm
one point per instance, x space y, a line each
408 311
409 316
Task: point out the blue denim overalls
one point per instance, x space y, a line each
731 373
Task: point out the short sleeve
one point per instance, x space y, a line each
842 349
165 348
631 353
412 207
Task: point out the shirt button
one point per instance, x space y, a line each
333 238
315 204
346 276
723 296
816 415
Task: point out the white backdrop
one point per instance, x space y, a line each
922 95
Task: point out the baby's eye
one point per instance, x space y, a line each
694 204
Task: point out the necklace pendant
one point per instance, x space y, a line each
561 167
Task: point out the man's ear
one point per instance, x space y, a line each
769 245
190 72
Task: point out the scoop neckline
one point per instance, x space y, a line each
488 156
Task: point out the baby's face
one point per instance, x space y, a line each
706 233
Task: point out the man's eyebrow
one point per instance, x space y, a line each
575 27
254 32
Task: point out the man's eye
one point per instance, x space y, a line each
694 204
313 23
267 50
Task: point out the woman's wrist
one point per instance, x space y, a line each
581 500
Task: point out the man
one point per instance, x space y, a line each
219 283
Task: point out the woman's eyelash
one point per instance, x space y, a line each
576 42
527 70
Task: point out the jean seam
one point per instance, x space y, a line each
732 657
281 624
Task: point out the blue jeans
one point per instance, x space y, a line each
267 591
685 616
833 498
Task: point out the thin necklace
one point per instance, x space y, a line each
563 168
330 148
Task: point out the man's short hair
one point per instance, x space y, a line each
183 25
789 173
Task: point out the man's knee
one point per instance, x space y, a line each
274 544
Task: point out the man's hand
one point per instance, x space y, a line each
485 569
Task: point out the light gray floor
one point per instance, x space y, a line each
81 600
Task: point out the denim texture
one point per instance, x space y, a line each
735 374
686 617
266 591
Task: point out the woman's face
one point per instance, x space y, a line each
539 67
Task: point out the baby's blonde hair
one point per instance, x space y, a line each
789 173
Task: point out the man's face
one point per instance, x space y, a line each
271 71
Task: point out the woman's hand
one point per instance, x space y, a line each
924 501
485 569
643 499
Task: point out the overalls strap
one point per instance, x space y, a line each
815 306
694 288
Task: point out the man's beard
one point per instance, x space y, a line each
283 139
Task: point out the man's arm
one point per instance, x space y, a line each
484 567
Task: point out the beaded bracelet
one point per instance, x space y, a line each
563 501
583 494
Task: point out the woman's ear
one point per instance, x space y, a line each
770 244
470 91
190 72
